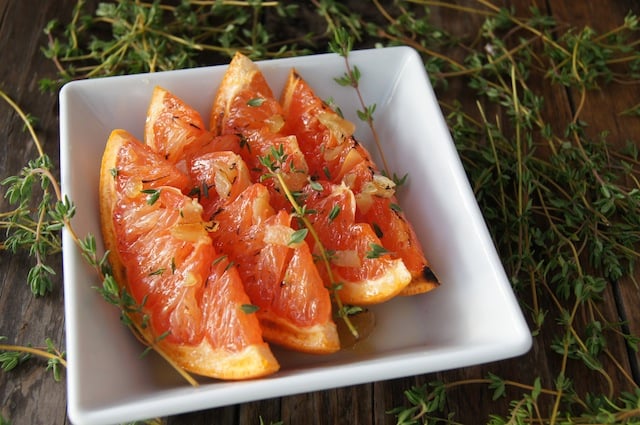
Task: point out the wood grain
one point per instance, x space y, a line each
28 395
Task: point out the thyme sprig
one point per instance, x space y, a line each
14 355
131 37
559 202
342 44
38 232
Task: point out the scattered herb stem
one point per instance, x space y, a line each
35 351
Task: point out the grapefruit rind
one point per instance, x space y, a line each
321 338
253 361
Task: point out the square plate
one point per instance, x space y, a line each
472 318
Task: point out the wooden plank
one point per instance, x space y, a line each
28 395
541 361
603 109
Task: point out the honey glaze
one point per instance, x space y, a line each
364 322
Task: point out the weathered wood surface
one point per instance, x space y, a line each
30 396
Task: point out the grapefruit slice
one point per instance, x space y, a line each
367 273
327 142
278 272
173 127
245 106
296 314
161 253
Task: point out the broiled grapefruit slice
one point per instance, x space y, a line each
172 127
327 142
219 178
278 272
366 272
377 205
162 254
245 105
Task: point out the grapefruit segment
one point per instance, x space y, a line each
173 127
367 273
162 255
279 276
245 106
218 177
332 152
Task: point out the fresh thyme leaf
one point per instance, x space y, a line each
154 195
350 310
229 265
249 308
367 113
377 230
298 236
335 210
399 181
9 360
344 80
157 272
395 207
256 101
315 185
376 251
244 143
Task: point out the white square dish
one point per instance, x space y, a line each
472 318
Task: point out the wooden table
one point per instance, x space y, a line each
28 395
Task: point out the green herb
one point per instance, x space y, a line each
377 230
220 258
244 143
376 251
350 310
249 308
154 195
256 101
229 265
298 236
133 37
341 44
315 185
11 356
157 272
335 210
395 207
